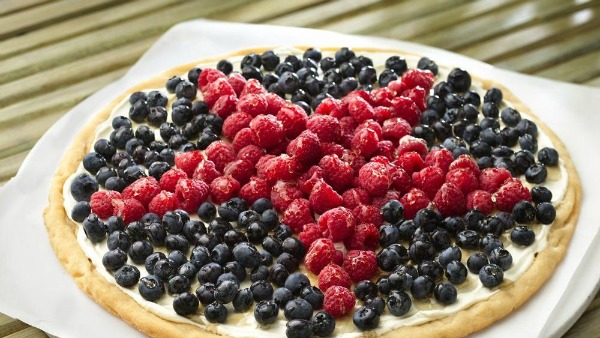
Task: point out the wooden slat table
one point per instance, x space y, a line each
53 54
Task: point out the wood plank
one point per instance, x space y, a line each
587 325
500 22
8 169
259 11
595 82
30 332
326 12
11 6
79 25
106 38
572 70
10 325
548 32
38 16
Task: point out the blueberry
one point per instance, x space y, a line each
546 213
536 173
193 74
210 272
422 287
525 126
225 291
313 54
221 254
523 160
313 295
388 259
399 303
215 312
282 232
298 309
177 242
366 318
454 224
133 173
157 116
234 237
468 239
347 70
296 282
294 61
450 254
396 64
299 328
81 210
485 162
114 259
428 219
383 285
490 242
207 211
294 247
471 133
94 228
237 269
548 156
376 303
528 142
282 296
323 324
510 117
269 79
407 229
502 258
432 269
219 227
421 250
206 293
476 261
185 304
441 239
251 72
193 228
265 312
139 111
445 293
426 63
247 255
261 290
473 100
225 66
151 287
348 84
256 232
188 270
172 82
492 225
127 276
208 240
388 234
83 186
289 82
178 284
200 256
493 95
541 194
456 272
269 60
273 245
459 79
524 212
242 300
392 211
399 280
367 75
277 274
491 275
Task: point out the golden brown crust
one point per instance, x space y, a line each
62 233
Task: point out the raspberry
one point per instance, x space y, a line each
252 104
365 237
406 109
241 170
326 127
336 172
101 202
338 257
491 179
280 148
450 201
234 123
305 149
331 106
382 96
429 179
465 161
386 149
223 188
323 197
360 109
329 148
308 180
441 158
333 275
365 142
274 103
216 89
397 86
418 77
370 124
401 181
374 177
394 129
348 125
277 168
337 224
163 202
237 82
260 164
169 179
191 193
480 200
509 194
244 138
250 153
206 171
269 132
220 153
382 160
130 210
410 162
283 193
252 86
413 201
293 118
378 202
410 143
355 197
208 76
367 214
339 301
225 106
354 94
188 161
309 234
464 179
143 190
319 254
361 264
417 95
297 214
256 188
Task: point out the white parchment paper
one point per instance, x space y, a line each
35 288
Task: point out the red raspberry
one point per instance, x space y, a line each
348 125
191 193
378 202
269 132
305 149
323 197
509 194
363 94
319 254
308 180
293 118
169 179
367 214
101 202
418 77
374 177
382 96
382 114
429 179
130 210
337 224
360 109
397 86
253 86
331 106
355 197
280 148
328 148
336 172
464 179
214 90
297 214
465 161
244 138
163 202
480 200
274 103
364 237
237 82
417 95
361 264
339 301
354 160
410 161
188 161
333 275
252 104
277 168
223 188
365 142
491 179
256 188
338 257
234 123
220 153
395 128
225 106
411 143
406 109
413 201
309 234
385 149
251 153
401 180
450 201
441 158
208 76
326 127
206 171
241 170
261 163
371 124
143 189
283 193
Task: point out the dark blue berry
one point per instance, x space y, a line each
541 194
139 111
206 293
247 255
367 75
399 303
502 258
366 318
491 275
536 173
81 210
476 261
388 234
282 296
299 328
200 256
225 66
94 228
185 304
399 280
210 272
456 272
432 269
524 212
83 186
157 116
127 276
392 211
445 293
151 287
348 84
256 232
454 224
422 287
114 259
296 282
294 247
396 64
261 205
450 254
215 312
388 259
492 225
251 72
546 213
207 211
459 79
313 54
313 295
289 82
242 300
188 270
428 219
282 232
548 156
177 242
225 291
298 309
426 63
490 242
265 312
323 324
468 239
261 290
178 284
421 250
407 229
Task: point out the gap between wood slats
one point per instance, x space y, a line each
325 12
500 22
106 38
9 325
30 332
79 25
12 6
595 82
39 16
578 70
8 168
587 325
259 11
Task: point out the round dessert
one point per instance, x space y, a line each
313 192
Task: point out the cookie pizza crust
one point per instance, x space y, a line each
63 235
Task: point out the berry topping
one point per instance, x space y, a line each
339 301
